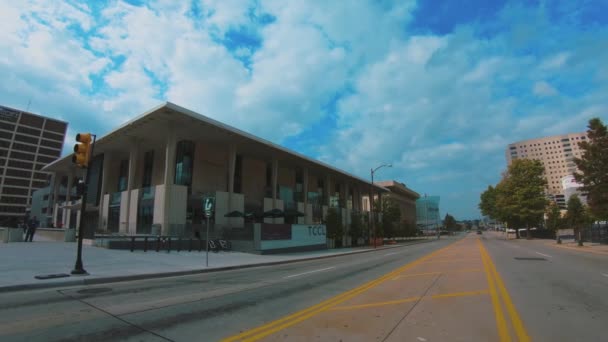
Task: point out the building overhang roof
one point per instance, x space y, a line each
399 188
192 125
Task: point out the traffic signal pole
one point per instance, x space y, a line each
78 267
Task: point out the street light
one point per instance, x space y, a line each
371 199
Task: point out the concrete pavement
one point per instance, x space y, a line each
21 262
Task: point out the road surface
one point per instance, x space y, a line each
476 288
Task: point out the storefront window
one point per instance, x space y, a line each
123 174
148 166
184 159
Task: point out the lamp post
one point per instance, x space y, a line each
371 200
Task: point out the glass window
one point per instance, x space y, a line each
123 174
55 126
31 120
184 159
238 174
148 167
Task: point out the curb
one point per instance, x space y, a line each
578 249
116 279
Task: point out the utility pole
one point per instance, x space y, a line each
371 193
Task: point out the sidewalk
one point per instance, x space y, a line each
21 262
587 247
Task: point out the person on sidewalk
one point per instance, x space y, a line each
31 229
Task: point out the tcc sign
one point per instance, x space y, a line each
316 230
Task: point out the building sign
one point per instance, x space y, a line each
317 230
568 182
8 114
208 206
294 235
276 231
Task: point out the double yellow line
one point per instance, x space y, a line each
500 296
280 324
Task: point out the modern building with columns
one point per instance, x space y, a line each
154 171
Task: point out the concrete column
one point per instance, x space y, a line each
107 158
169 177
231 172
275 178
68 193
328 190
305 187
346 195
56 181
133 157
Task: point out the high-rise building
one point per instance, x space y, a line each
428 218
27 143
556 153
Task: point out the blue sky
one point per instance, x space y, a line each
437 88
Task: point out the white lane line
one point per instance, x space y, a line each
391 253
605 274
300 274
539 253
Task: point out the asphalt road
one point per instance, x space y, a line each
205 307
561 294
442 290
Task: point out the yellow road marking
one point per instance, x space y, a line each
410 299
460 294
415 275
282 323
451 260
370 305
516 321
464 270
501 323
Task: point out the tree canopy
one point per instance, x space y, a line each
450 223
519 198
554 219
593 168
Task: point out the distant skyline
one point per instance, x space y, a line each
438 89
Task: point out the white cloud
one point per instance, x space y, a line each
439 107
544 89
555 61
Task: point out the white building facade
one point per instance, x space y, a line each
154 171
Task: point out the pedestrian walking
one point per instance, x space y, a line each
32 224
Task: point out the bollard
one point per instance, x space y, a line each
169 244
146 244
158 244
132 243
190 246
179 244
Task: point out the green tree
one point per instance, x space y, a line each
333 223
593 167
576 216
450 223
356 226
521 198
391 216
554 217
487 203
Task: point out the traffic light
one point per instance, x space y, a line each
82 151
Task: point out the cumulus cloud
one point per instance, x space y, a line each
353 81
543 88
